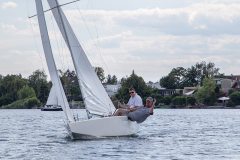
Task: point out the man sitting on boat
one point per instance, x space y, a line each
139 114
135 100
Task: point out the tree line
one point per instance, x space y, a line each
201 74
36 84
181 77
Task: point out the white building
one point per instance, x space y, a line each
154 85
111 89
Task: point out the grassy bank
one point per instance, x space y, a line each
23 104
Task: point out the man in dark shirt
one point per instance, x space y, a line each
139 114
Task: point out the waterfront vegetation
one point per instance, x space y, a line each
19 92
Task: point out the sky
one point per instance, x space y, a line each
148 36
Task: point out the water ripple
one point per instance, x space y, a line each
169 134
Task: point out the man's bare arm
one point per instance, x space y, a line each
132 109
123 105
151 110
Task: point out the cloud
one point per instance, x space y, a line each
17 53
21 53
155 56
198 18
11 29
8 5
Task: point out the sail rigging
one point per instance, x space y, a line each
57 85
94 95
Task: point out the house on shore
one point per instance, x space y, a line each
236 86
154 85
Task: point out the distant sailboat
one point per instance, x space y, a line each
52 102
94 95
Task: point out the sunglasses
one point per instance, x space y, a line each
131 92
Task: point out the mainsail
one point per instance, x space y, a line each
52 98
51 63
94 95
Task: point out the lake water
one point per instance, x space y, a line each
168 134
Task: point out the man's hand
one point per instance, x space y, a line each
151 110
154 101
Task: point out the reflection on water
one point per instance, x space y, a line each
168 134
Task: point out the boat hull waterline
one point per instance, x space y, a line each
103 127
51 109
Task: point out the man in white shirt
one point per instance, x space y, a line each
135 100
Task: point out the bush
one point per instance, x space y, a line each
231 91
5 100
230 104
179 100
174 95
78 99
16 105
167 100
32 102
213 99
23 104
26 92
191 100
181 92
158 97
235 97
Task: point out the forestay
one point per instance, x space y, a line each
95 97
51 63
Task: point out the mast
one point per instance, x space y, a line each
51 63
96 99
70 49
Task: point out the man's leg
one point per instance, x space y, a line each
119 112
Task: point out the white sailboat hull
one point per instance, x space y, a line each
104 127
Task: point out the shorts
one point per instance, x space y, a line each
129 115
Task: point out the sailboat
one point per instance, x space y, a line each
96 100
52 102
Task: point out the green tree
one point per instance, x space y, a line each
26 92
179 100
168 82
37 79
174 95
191 100
235 97
9 87
43 93
111 79
74 90
100 73
32 102
114 80
63 78
230 104
69 73
213 99
231 91
179 74
181 92
167 100
201 70
108 79
137 83
186 77
203 95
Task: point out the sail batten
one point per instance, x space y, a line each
93 92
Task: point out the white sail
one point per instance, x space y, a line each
95 97
52 98
51 63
